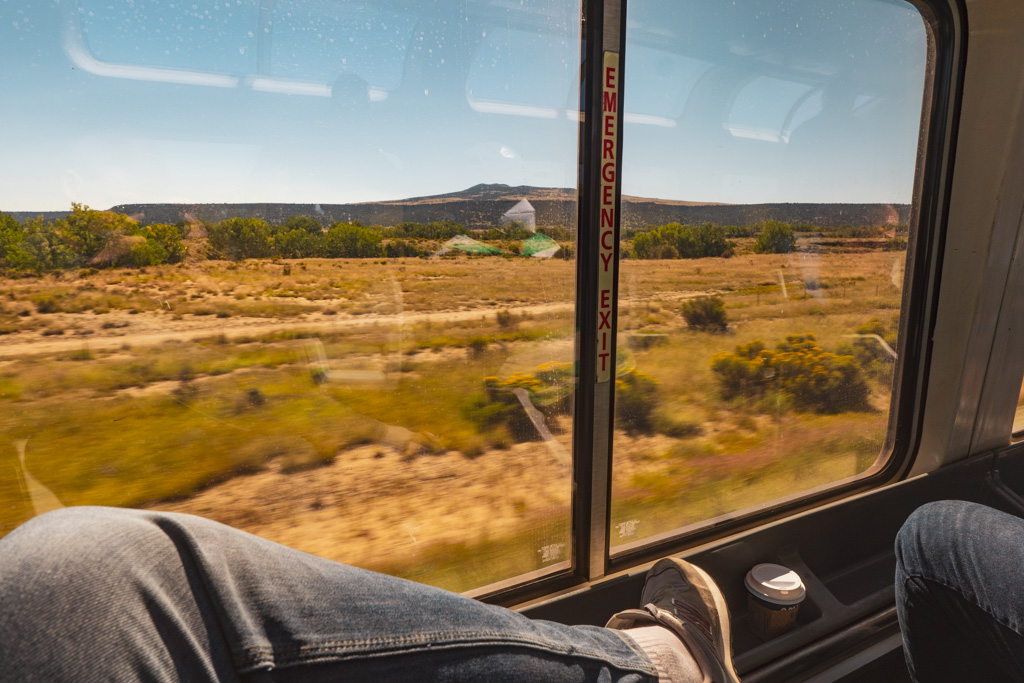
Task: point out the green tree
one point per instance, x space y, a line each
775 237
11 234
40 250
241 238
304 223
86 232
298 243
167 238
344 240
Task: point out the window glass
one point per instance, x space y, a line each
768 161
288 266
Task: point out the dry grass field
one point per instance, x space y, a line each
323 403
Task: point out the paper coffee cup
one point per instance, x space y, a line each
774 594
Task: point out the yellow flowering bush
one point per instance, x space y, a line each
813 378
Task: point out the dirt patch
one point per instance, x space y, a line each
372 504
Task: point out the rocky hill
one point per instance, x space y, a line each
482 206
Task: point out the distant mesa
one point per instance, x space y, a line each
486 205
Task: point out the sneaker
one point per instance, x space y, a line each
683 598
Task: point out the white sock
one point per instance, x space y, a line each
670 656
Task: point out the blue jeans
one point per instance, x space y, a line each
99 594
960 593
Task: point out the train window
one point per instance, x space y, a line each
769 154
243 275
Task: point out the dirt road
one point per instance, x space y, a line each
150 329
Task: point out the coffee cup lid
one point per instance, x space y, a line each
775 583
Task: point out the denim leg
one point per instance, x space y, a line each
960 593
93 594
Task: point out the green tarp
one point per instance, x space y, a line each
463 243
540 246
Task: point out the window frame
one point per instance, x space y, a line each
603 29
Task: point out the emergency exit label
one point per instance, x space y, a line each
606 226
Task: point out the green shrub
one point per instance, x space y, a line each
670 426
869 353
402 249
810 377
674 241
477 345
775 238
706 314
636 397
46 304
149 253
744 372
497 410
856 231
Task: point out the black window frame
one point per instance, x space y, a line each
603 28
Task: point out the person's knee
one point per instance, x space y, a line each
65 542
930 530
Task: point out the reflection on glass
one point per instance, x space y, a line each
250 333
769 153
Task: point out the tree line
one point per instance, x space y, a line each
101 239
104 239
675 241
85 237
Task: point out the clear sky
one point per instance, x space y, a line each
327 101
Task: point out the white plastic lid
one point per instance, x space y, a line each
775 583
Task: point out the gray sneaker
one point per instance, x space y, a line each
683 598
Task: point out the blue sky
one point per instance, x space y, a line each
195 101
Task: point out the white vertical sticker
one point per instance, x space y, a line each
608 220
